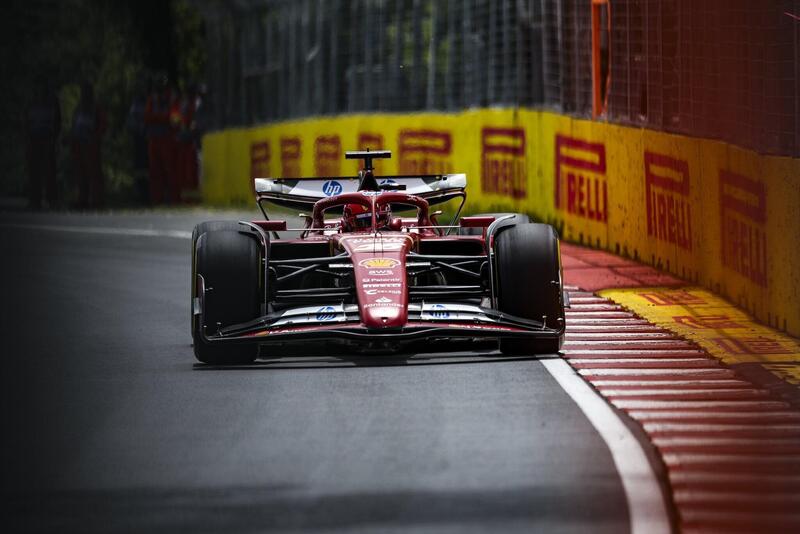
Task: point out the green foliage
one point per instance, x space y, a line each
108 44
189 42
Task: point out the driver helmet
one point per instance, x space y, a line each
359 217
383 216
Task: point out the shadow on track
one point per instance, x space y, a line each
328 360
277 508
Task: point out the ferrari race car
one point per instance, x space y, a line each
373 270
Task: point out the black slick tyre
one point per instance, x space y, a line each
229 262
529 283
200 229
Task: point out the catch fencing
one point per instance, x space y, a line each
721 69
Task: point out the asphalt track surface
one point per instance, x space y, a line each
110 425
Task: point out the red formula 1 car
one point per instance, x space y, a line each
372 269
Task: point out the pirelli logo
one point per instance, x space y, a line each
371 141
259 159
425 152
581 187
290 157
669 216
328 155
503 170
743 210
671 297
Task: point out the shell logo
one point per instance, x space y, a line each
379 263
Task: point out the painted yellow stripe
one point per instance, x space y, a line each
716 325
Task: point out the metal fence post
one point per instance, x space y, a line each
430 94
333 51
467 63
366 102
506 62
351 67
317 101
399 43
451 64
381 70
490 60
417 69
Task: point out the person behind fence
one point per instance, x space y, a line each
42 127
86 136
183 117
164 183
138 133
201 123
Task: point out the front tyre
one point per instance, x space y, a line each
229 262
200 229
529 283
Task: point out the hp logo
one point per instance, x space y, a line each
331 187
326 313
439 311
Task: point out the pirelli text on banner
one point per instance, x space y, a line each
503 162
581 184
669 216
425 152
743 223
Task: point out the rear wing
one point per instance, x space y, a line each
300 193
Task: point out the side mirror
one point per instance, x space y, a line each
476 222
271 226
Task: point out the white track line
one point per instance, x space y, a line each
646 502
137 232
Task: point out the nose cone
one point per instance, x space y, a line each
379 275
383 317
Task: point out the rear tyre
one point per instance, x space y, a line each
229 262
529 283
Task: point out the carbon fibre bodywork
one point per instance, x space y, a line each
382 287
